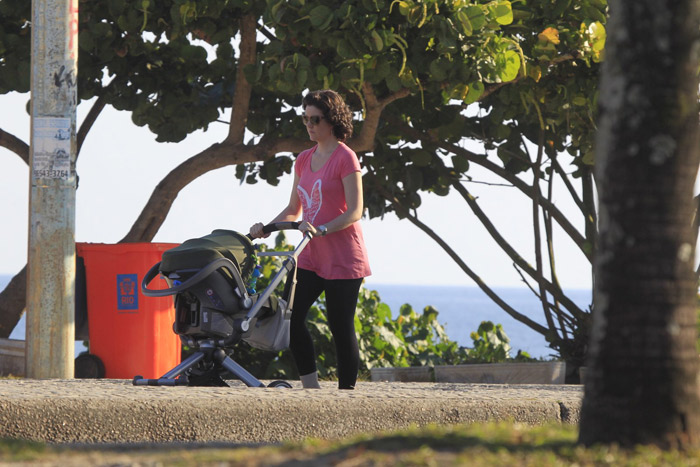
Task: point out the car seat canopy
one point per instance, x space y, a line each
198 252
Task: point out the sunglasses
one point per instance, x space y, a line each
315 119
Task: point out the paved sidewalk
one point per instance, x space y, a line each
114 411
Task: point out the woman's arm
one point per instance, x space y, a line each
293 210
352 186
289 214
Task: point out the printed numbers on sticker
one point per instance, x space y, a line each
51 173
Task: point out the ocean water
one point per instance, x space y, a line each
460 311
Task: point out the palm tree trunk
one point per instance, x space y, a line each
642 385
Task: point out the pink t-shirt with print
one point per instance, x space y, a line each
338 255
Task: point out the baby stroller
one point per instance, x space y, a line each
214 310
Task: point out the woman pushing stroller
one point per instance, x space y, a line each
327 193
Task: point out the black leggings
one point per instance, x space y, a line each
341 300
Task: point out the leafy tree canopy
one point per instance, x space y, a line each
439 56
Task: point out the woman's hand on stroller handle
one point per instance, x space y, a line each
256 231
259 230
312 230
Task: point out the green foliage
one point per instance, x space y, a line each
491 344
15 45
143 57
149 58
410 339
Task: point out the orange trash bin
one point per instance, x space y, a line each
130 333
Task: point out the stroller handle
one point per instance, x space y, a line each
269 228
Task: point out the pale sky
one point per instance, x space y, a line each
120 164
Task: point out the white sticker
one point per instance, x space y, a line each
51 140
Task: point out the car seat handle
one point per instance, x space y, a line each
198 277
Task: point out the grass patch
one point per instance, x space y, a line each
492 444
15 449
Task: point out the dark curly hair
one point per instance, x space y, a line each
334 109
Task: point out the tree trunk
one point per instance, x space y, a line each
12 301
641 386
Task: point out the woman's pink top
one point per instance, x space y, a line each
338 255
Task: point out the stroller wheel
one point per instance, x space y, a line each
89 366
279 384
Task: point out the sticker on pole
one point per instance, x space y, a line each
127 292
51 140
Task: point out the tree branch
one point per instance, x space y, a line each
558 169
215 157
550 252
90 119
243 90
394 97
21 148
231 153
563 222
365 140
536 227
512 254
265 32
12 302
15 145
561 316
482 285
483 161
589 201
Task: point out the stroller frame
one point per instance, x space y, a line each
211 352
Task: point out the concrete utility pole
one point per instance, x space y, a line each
51 266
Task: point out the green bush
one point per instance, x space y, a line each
410 339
